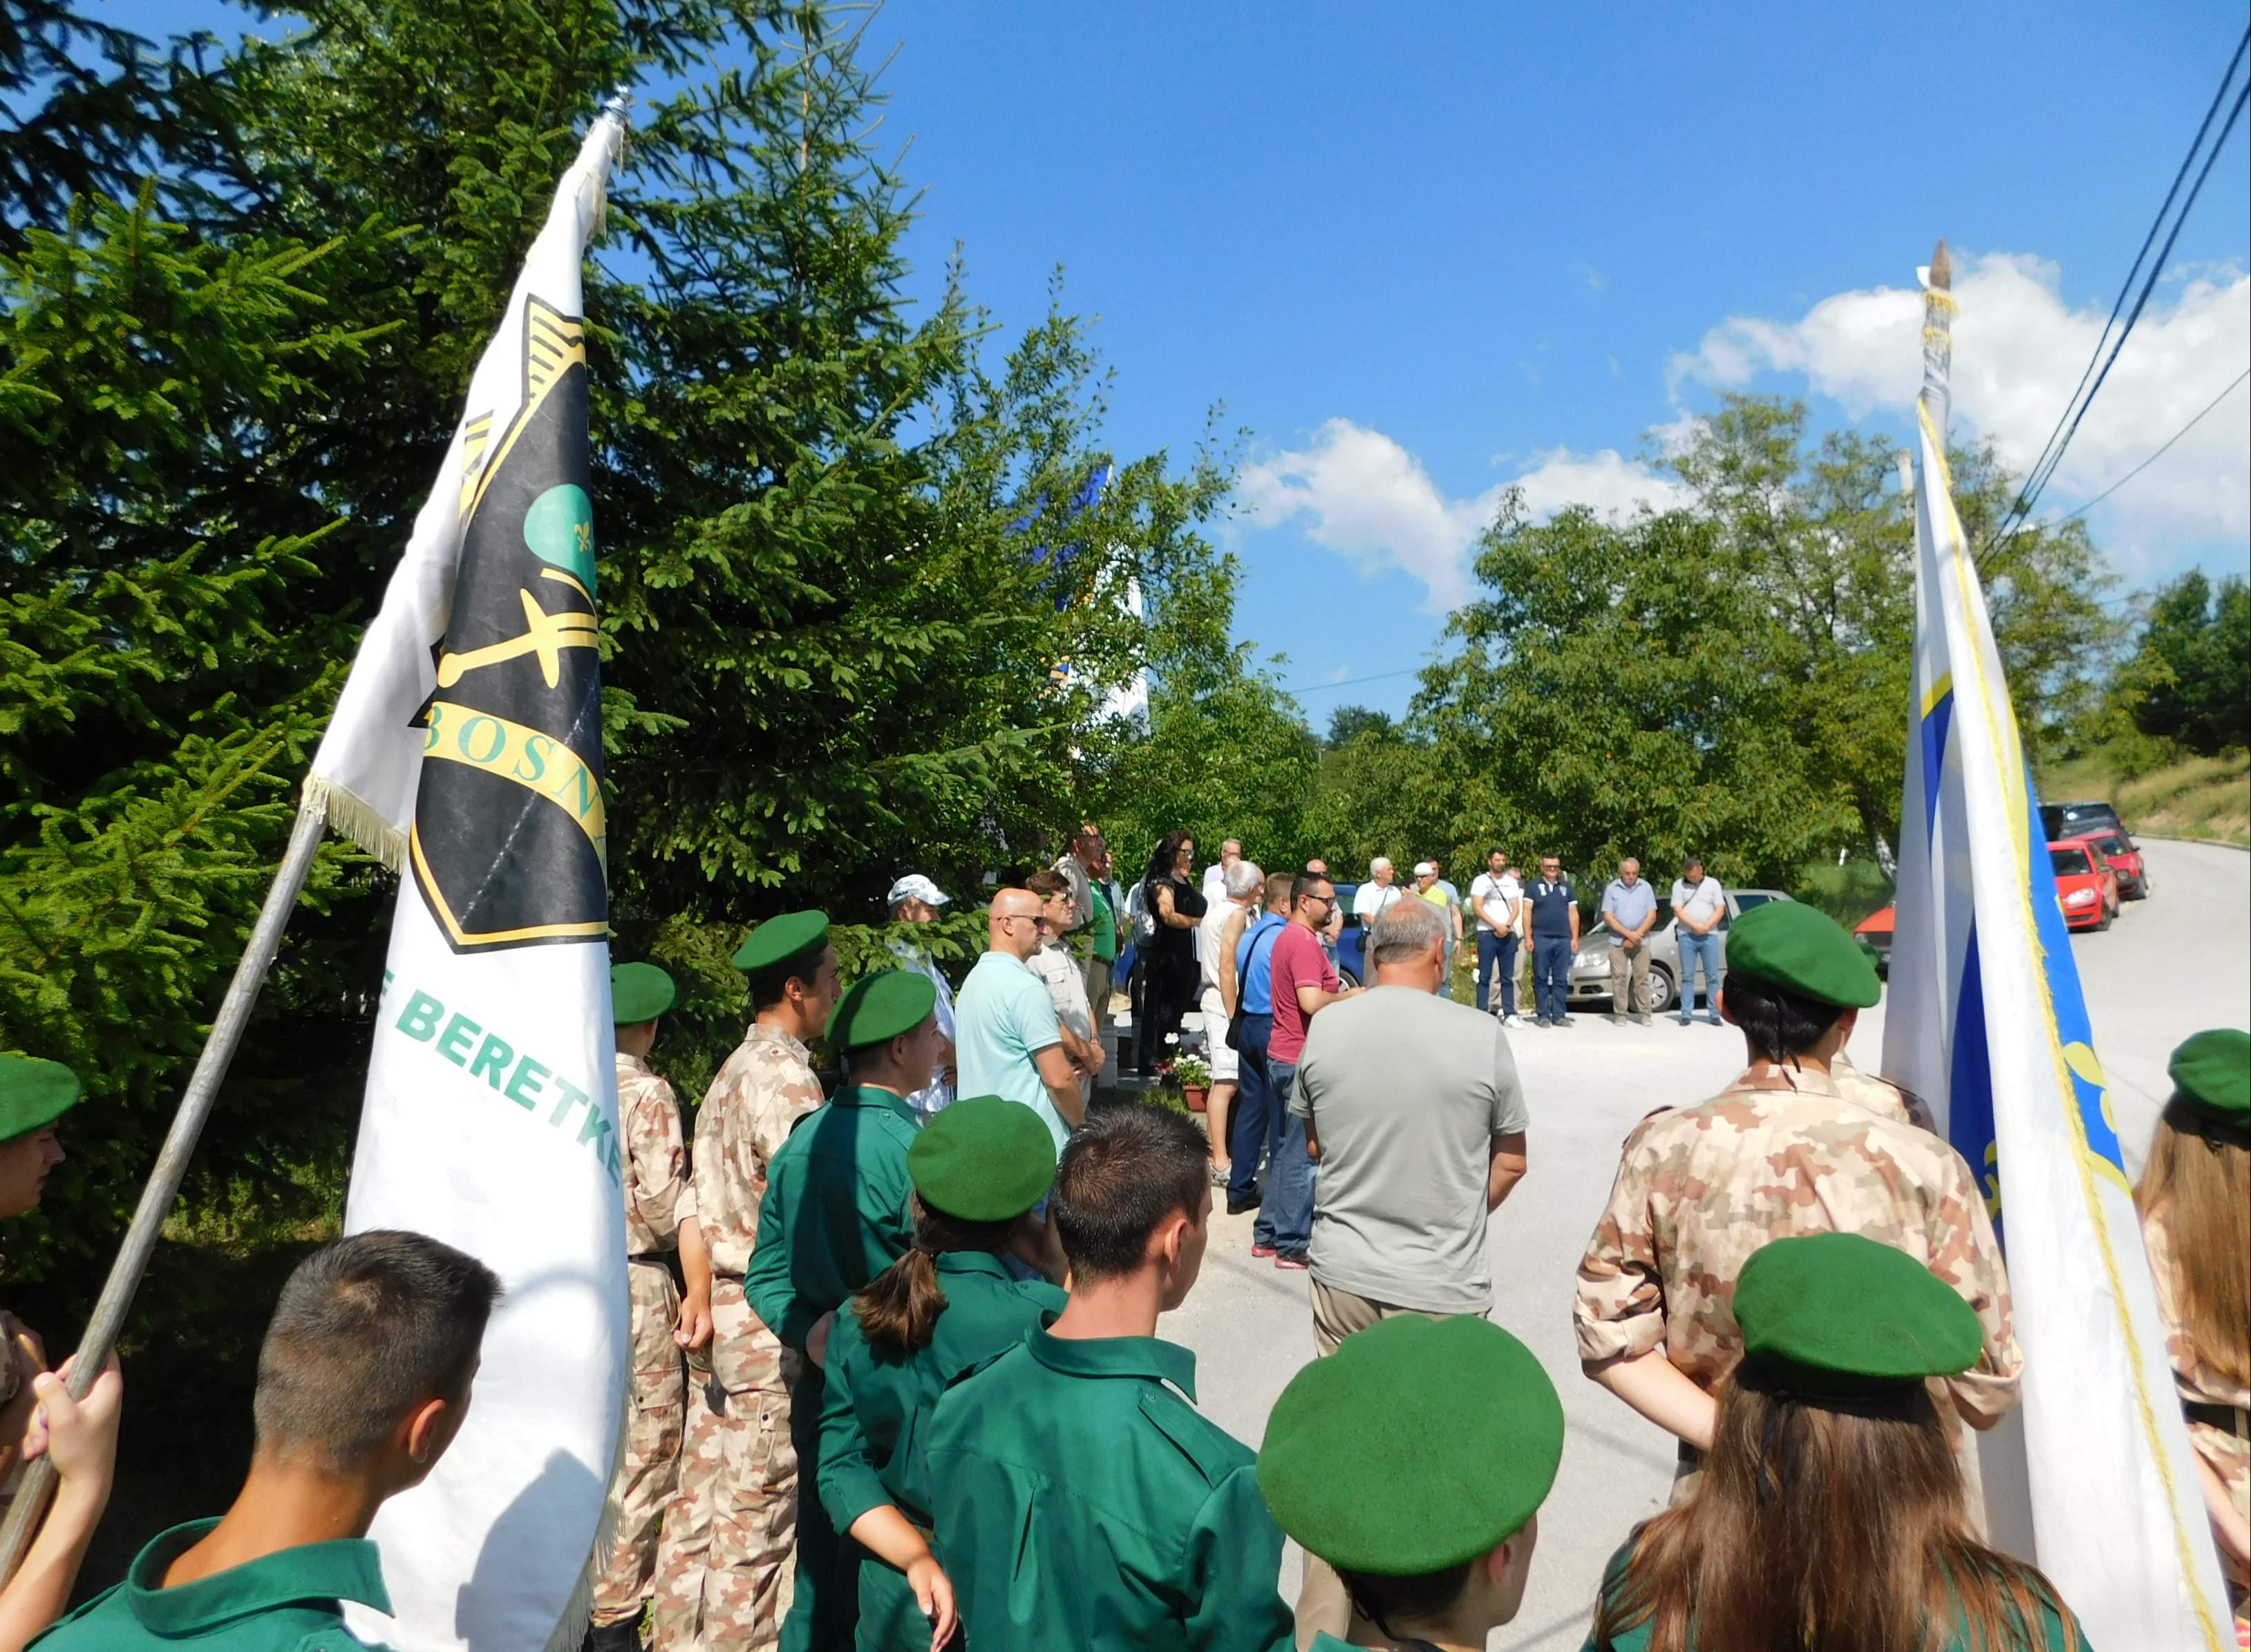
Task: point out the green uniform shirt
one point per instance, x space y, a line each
877 1413
286 1602
838 1209
1082 1501
2051 1637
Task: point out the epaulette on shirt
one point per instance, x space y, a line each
1216 1453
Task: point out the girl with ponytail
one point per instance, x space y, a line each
949 1304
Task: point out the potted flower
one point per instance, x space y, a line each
1193 1077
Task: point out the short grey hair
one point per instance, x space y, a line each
1406 931
1382 862
1243 880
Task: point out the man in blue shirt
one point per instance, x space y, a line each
1629 909
1007 1040
1550 910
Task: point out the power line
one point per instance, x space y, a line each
2091 379
1350 682
2154 457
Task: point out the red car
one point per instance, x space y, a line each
2084 886
2121 855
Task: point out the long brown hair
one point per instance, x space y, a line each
1820 1529
2198 1181
899 1308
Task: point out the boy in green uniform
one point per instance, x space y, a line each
362 1382
1414 1460
947 1305
1080 1500
837 1213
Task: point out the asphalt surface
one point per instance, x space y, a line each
2172 964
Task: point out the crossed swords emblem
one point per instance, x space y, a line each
545 634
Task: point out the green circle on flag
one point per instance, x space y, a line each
559 529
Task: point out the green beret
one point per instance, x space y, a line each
781 939
639 992
876 1009
33 1094
2212 1073
983 1159
1791 945
1839 1314
1417 1444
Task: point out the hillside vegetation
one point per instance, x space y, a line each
2208 798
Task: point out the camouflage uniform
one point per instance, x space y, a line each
1699 1189
2227 1454
724 1565
1881 1095
658 1198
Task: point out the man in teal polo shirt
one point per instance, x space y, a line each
362 1382
1006 1038
839 1209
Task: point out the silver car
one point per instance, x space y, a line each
1590 966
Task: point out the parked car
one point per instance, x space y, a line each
1874 932
2123 856
1352 945
2060 821
2084 886
1590 968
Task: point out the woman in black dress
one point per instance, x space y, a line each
1170 896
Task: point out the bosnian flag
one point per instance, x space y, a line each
466 751
2095 1482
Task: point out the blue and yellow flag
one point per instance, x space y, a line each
1984 1018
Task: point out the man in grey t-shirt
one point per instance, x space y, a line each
1413 1114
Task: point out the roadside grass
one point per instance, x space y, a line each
2207 798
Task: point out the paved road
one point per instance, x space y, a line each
2176 962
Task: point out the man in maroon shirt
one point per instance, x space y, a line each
1304 982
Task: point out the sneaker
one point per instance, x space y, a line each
1684 1021
1221 1174
1511 1021
1563 1020
1641 1021
1539 1021
1291 1261
1262 1250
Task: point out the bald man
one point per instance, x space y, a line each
1007 1041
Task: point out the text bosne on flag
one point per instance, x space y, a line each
466 751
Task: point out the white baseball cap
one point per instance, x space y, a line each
1426 869
915 886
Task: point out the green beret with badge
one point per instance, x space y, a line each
1791 945
2212 1072
783 939
34 1094
1839 1315
983 1159
1418 1445
876 1009
639 992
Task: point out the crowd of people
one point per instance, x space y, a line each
897 1381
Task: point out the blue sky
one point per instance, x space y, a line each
1417 256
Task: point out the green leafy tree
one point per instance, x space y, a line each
2192 665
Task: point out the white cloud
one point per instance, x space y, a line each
2019 352
1360 494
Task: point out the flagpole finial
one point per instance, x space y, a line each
1942 268
619 102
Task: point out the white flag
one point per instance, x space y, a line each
467 749
1986 1020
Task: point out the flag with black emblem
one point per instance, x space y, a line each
466 752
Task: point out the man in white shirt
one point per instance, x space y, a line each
1376 897
1493 895
1215 876
1053 963
1699 906
1216 931
915 900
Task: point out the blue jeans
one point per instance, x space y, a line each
1497 954
1252 1122
1286 1215
1551 976
1696 949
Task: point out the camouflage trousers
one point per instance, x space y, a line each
651 1464
725 1562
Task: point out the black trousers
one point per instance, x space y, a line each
1168 990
